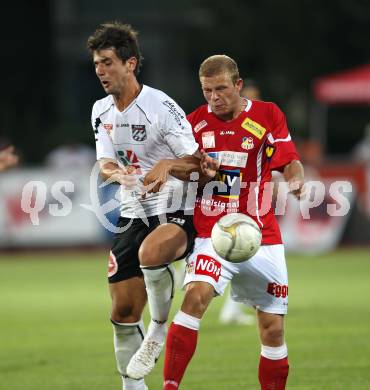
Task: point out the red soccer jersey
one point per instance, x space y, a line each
248 148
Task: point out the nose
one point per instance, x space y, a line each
100 69
214 96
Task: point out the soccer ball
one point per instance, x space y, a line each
236 237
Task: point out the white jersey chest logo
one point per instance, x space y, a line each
138 132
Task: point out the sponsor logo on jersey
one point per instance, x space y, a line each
234 159
230 159
138 132
174 111
199 126
270 150
232 179
208 266
108 127
128 157
247 143
112 265
122 125
227 132
218 205
214 155
277 290
253 127
208 140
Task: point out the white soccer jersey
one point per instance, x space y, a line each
153 127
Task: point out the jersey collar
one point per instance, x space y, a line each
143 91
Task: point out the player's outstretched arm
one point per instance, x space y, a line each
294 176
181 168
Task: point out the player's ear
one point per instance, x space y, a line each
239 84
131 63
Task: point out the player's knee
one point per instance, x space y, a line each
149 255
125 313
196 301
272 334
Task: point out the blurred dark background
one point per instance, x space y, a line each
49 85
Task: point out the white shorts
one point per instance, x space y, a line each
261 282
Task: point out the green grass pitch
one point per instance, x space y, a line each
55 332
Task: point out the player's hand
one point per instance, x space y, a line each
297 188
155 179
127 177
209 165
8 158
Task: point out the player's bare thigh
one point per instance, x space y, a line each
128 299
164 244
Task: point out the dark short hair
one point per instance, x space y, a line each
122 37
217 64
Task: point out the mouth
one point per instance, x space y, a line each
105 83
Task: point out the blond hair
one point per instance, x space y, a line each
218 64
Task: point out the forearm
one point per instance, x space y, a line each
184 167
181 168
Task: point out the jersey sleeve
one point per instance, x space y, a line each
284 150
177 130
104 146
